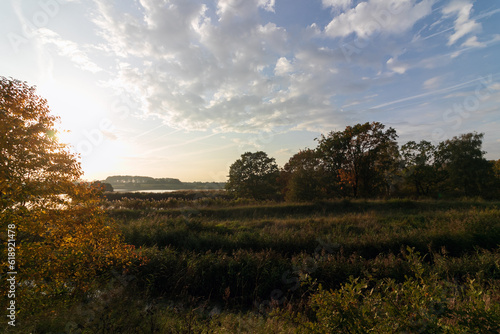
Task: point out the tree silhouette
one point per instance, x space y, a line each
419 166
304 177
254 175
362 157
462 159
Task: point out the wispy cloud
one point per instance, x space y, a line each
432 83
66 48
434 92
464 25
184 143
472 42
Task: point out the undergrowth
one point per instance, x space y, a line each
218 266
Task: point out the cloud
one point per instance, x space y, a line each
378 16
432 83
285 151
337 4
109 135
67 49
494 87
440 92
283 67
232 8
396 66
247 144
220 68
472 42
463 25
227 66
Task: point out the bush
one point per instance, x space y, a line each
421 304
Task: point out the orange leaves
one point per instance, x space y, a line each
74 247
346 177
66 241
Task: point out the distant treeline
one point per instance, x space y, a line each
124 179
134 183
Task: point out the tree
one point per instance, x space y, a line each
362 158
303 177
419 169
254 175
496 168
492 185
103 186
65 243
462 159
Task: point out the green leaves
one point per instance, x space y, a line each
422 303
463 161
254 175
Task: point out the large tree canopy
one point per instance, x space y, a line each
254 175
304 178
64 241
361 157
462 158
34 166
419 167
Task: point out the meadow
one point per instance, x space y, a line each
211 264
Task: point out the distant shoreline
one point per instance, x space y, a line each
134 183
158 191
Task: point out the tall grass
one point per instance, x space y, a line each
216 265
366 233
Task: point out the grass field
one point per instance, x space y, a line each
210 264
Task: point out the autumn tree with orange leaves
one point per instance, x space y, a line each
64 243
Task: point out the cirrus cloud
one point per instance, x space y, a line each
464 25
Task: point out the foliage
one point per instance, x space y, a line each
419 167
422 303
34 166
124 311
463 161
254 175
251 253
496 168
119 179
65 243
221 267
364 161
105 187
355 242
360 157
304 177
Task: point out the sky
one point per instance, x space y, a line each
182 88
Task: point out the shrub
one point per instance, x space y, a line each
422 303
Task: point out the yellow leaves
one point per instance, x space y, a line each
71 246
66 243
